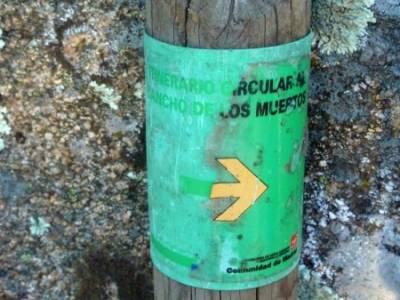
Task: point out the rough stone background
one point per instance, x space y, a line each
73 212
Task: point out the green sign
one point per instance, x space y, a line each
226 135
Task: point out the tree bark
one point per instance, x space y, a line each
227 24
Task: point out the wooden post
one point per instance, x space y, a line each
227 24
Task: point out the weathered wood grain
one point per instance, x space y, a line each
227 24
168 289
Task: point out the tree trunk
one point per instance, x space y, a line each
227 24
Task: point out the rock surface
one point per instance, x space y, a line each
71 78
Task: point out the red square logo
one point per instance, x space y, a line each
293 241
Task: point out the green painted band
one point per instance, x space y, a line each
173 255
194 186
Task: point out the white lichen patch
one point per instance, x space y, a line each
38 226
2 43
5 129
340 25
137 176
312 287
314 227
343 211
139 90
107 94
132 175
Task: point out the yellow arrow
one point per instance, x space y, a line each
247 190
